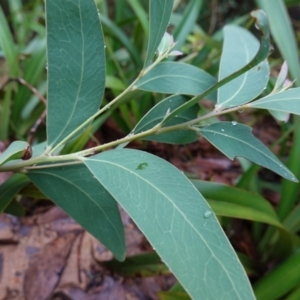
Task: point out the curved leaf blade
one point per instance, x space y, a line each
10 188
239 48
177 221
15 150
159 16
237 203
7 45
187 22
79 194
76 65
158 113
113 30
287 101
280 281
282 32
236 140
177 78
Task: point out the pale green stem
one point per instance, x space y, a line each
107 106
63 160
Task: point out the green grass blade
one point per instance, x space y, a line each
10 188
237 203
141 15
187 22
112 29
284 37
282 32
159 16
280 281
8 46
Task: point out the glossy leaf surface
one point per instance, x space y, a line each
176 220
15 150
286 101
76 65
176 78
280 280
157 114
239 48
79 194
237 140
159 16
10 188
237 203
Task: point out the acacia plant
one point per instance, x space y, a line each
162 201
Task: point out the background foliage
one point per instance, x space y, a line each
196 26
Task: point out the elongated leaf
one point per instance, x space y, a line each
159 16
282 32
177 78
143 265
141 14
237 203
279 281
239 48
10 188
295 294
286 101
236 140
157 114
7 45
79 194
177 221
114 30
173 296
76 65
188 21
292 221
15 150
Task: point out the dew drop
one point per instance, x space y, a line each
104 46
222 130
207 214
234 123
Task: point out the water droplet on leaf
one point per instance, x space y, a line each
207 214
234 123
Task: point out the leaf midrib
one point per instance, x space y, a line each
175 206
